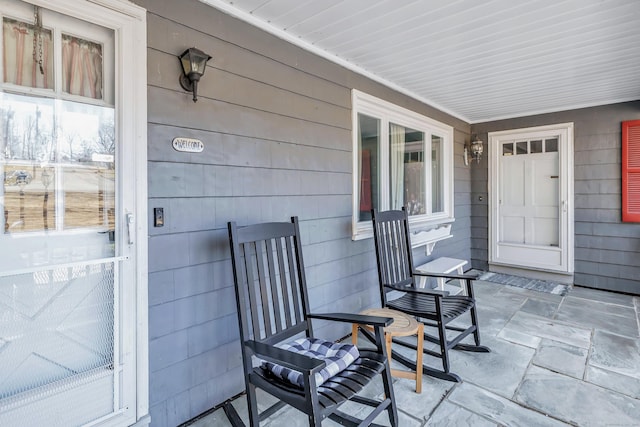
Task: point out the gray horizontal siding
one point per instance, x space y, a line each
275 121
257 166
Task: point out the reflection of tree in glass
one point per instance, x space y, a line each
27 133
28 138
70 139
102 142
106 137
7 117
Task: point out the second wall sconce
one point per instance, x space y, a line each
474 150
194 62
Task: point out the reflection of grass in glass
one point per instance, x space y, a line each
88 200
25 206
84 210
32 206
88 197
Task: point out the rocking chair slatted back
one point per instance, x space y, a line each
271 277
395 264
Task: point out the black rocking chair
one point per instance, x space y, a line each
273 307
432 307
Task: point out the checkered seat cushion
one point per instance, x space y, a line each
337 358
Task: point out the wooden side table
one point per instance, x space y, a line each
403 326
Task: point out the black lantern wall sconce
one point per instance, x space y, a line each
474 150
194 62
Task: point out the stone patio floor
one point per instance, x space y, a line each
555 361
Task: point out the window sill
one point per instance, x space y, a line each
424 233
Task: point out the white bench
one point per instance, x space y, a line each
442 265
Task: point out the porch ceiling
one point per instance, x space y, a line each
478 60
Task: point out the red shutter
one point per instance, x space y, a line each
631 171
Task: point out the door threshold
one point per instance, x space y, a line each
564 278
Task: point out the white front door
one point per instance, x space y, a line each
530 198
72 252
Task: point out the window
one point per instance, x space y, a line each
534 146
401 158
57 115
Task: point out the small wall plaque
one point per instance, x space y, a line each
188 145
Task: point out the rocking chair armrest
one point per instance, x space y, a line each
354 318
286 358
425 291
447 275
468 279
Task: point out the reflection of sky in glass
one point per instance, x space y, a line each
27 127
85 126
29 130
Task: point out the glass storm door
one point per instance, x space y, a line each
64 247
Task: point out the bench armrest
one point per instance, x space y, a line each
447 275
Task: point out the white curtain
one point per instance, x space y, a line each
436 175
396 149
81 67
81 61
19 66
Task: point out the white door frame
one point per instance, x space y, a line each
566 194
129 24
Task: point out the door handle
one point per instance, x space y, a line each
111 233
131 220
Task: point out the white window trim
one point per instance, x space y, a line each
386 112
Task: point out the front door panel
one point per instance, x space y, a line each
529 199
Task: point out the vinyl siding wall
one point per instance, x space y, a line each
607 251
276 125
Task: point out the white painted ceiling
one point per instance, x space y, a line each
478 60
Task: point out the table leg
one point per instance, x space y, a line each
388 339
422 282
354 334
461 282
419 355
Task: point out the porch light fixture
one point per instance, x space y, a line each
474 149
194 62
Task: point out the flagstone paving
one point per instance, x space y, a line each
555 361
